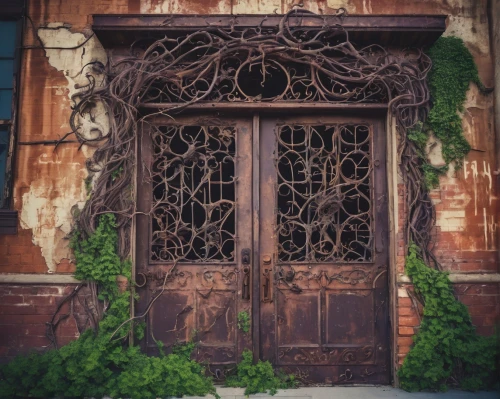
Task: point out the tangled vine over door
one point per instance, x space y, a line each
221 64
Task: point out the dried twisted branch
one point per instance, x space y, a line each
287 63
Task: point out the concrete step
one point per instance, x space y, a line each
382 392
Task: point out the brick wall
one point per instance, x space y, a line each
466 205
482 300
24 312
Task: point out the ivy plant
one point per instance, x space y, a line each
244 321
259 377
96 256
453 68
99 364
447 348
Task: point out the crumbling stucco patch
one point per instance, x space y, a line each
469 30
47 206
49 215
186 7
76 64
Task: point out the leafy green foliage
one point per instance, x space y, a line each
453 68
96 256
418 136
100 364
446 347
258 377
244 321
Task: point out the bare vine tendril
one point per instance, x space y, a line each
289 63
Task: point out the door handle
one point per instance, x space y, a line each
245 260
267 273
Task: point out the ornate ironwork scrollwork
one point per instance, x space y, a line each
193 210
300 280
324 193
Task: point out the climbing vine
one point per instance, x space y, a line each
453 68
96 257
447 348
99 362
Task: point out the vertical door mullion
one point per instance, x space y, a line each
255 235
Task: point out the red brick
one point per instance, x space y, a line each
404 302
45 310
16 249
409 321
485 330
406 312
479 321
41 300
38 290
475 299
483 310
405 341
472 266
27 258
35 318
403 350
17 309
12 319
34 342
490 290
25 329
406 331
12 299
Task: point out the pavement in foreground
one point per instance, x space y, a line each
354 393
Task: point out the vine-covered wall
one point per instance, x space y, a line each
49 185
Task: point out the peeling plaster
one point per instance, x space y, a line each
187 6
47 206
50 217
469 30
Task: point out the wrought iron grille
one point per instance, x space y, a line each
324 211
287 75
193 210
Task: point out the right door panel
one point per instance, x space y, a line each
323 249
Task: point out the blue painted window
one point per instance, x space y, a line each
8 34
8 39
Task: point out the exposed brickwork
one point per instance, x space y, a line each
24 312
482 300
466 206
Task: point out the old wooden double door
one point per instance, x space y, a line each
267 234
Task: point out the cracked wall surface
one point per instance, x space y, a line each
49 184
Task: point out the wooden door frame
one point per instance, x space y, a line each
255 110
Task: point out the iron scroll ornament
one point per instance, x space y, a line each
212 63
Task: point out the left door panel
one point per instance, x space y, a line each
194 235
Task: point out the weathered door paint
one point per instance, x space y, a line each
323 249
195 237
296 205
